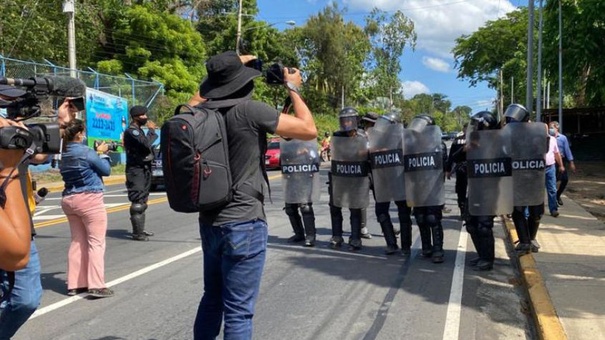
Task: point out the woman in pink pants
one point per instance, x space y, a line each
81 169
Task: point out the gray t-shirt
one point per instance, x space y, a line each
247 128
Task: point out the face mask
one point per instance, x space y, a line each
551 132
143 121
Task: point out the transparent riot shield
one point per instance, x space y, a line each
350 182
529 144
490 181
423 166
386 162
300 170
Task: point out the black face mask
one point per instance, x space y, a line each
142 121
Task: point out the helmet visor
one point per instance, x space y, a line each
348 123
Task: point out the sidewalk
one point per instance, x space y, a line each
565 281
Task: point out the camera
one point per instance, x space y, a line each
275 74
111 145
45 138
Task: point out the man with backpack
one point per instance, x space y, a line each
234 235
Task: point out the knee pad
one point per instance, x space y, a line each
137 208
306 208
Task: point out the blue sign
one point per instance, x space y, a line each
106 117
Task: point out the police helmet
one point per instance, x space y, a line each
484 120
388 119
420 122
348 118
516 113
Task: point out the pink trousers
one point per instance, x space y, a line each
87 218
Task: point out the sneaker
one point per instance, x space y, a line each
76 291
140 237
336 242
365 233
354 244
523 248
473 262
535 246
100 292
148 233
559 201
391 249
310 241
554 214
483 265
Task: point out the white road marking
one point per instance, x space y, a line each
454 307
39 215
115 282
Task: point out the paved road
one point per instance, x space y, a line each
306 293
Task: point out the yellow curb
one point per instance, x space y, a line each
545 316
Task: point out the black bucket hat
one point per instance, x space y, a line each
11 91
226 75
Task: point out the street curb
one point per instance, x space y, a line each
59 186
544 314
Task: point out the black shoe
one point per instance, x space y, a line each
140 237
436 258
76 291
354 244
559 201
484 265
554 214
296 238
336 242
148 233
473 262
535 246
406 251
523 248
391 249
310 241
427 252
100 293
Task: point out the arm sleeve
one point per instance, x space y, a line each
99 165
265 117
567 151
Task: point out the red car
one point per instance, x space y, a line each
272 154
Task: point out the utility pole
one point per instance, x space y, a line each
539 82
501 100
238 36
530 58
560 70
69 9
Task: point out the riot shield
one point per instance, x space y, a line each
529 144
423 166
300 170
490 181
350 182
386 161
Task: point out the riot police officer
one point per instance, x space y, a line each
456 163
348 179
365 123
386 159
528 142
425 152
139 156
480 228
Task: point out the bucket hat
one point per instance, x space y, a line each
226 75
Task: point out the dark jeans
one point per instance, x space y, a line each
234 257
564 179
138 183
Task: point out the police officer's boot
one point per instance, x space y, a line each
533 223
522 228
463 213
355 238
308 217
437 232
137 220
389 234
406 238
296 222
425 238
336 218
365 233
472 229
486 249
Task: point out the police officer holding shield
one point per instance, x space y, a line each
349 183
300 180
529 145
456 164
424 175
386 161
139 156
366 123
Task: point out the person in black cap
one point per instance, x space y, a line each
232 273
139 156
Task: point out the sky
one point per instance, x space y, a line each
430 67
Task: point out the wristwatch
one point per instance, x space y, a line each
292 87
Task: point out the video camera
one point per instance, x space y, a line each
44 136
274 74
111 145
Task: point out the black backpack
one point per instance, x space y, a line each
195 160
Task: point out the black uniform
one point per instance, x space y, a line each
456 162
356 217
139 156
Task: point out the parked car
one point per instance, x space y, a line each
157 173
272 154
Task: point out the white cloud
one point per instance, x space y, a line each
412 88
439 22
436 64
